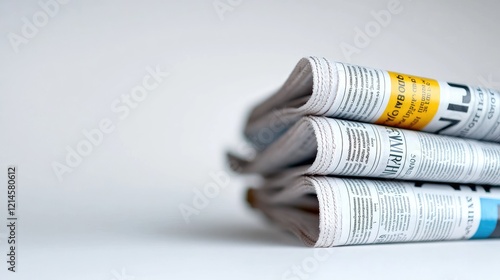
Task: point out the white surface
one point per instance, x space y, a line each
119 208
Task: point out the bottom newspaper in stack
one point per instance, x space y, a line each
332 211
327 211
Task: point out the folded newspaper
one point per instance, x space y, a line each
324 146
327 212
321 87
353 155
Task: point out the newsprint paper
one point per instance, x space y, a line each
354 155
327 212
325 146
321 87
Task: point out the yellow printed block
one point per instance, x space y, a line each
413 103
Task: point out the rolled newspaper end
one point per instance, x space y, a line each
321 87
325 146
361 211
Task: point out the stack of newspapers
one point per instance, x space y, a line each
355 155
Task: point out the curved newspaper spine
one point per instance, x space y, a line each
417 103
361 211
339 90
347 148
371 211
357 149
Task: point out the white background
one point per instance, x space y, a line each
116 215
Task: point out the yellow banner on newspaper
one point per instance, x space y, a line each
413 103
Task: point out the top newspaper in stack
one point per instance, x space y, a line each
333 89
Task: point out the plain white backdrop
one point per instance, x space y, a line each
115 214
